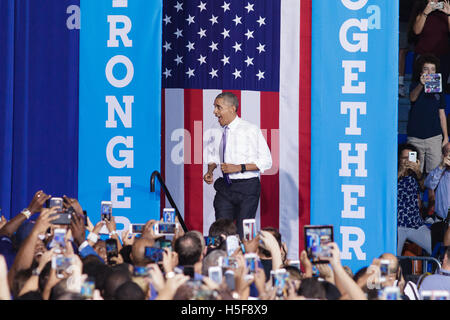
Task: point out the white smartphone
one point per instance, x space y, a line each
215 274
232 244
165 228
136 228
55 202
59 242
412 156
438 5
106 210
249 226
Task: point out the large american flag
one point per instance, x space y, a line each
260 50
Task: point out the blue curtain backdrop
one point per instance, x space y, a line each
38 102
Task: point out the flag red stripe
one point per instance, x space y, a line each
305 119
193 170
270 184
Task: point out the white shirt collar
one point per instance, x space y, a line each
233 124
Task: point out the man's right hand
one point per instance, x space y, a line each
208 177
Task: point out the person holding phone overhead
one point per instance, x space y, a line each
429 30
242 152
427 121
410 225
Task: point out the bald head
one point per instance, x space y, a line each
138 251
393 266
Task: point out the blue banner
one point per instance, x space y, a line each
354 125
120 108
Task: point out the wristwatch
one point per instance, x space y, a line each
170 274
36 272
243 169
26 213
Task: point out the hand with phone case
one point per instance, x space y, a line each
38 201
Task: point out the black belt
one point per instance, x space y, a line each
243 180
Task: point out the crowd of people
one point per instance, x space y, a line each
36 263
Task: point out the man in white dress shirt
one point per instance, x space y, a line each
242 152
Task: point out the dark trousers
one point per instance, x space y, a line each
237 201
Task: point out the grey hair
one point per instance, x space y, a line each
230 98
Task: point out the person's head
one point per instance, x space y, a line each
189 250
226 106
20 278
137 254
129 291
394 265
94 268
277 236
212 260
312 288
199 235
100 248
403 153
31 295
114 281
426 64
222 226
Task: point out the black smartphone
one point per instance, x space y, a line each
317 240
154 254
111 248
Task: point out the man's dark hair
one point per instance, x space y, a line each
189 249
44 275
20 278
360 273
230 98
406 146
222 226
31 295
420 62
96 269
312 288
331 291
114 281
129 291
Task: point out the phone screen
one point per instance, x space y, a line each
167 228
111 247
106 210
317 239
232 244
154 254
137 228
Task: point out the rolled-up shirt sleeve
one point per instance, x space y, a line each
264 158
432 180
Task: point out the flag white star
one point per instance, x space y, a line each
261 21
202 33
236 74
178 33
167 73
179 60
249 61
213 20
190 19
179 6
202 59
213 73
261 48
225 60
167 46
249 34
202 6
213 46
249 7
190 72
190 46
237 47
226 6
260 75
167 19
237 20
225 33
